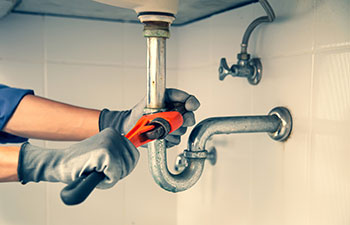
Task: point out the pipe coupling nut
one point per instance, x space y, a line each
156 29
196 154
156 33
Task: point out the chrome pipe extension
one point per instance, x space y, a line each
156 34
278 124
156 78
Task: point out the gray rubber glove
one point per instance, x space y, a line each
123 121
108 152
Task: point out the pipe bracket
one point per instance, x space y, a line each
182 160
196 154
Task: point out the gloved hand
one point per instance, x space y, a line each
123 121
107 152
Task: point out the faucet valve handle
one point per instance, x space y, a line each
224 70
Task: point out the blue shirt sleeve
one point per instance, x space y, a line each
9 100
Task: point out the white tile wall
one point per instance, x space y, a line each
332 23
291 33
93 42
329 143
22 38
135 50
195 44
87 85
23 204
23 75
305 55
17 201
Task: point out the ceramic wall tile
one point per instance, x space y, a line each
332 84
78 40
22 75
196 45
330 179
134 46
330 198
145 201
332 23
17 203
296 179
290 33
86 85
102 206
22 38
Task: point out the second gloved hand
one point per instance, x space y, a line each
108 152
123 121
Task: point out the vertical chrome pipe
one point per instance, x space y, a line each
156 34
156 72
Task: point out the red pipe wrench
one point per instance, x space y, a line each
148 128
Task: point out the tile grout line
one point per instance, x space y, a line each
308 153
309 145
46 93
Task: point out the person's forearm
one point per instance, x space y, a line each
8 163
41 118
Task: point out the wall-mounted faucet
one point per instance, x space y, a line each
246 67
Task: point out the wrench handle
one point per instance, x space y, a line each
77 191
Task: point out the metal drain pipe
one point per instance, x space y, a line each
278 124
156 34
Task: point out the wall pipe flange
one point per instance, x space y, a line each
212 156
283 132
257 74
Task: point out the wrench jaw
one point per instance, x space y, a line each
154 126
161 129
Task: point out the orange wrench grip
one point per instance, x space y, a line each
135 135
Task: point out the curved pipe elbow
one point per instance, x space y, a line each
197 141
278 124
164 178
268 9
263 19
228 125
